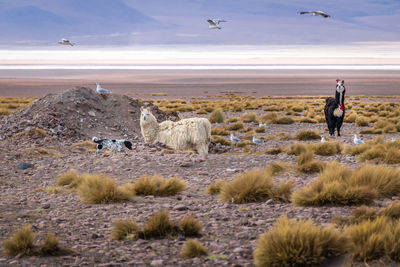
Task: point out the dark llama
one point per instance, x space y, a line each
334 109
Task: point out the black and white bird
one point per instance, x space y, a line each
64 41
112 144
315 13
214 23
357 141
234 138
323 139
101 90
256 140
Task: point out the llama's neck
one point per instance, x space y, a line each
149 130
339 95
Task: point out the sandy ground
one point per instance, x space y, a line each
187 83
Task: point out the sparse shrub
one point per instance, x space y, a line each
70 178
392 155
50 246
89 146
236 126
193 249
158 186
220 140
297 149
269 117
277 167
233 119
217 116
124 229
298 243
5 112
250 117
341 186
282 190
215 188
273 150
283 120
34 133
260 129
243 143
96 189
307 135
219 131
250 186
362 121
190 226
306 163
327 148
392 210
167 151
158 226
307 120
350 118
20 242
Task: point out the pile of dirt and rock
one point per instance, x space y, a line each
80 114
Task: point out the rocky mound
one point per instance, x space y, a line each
80 114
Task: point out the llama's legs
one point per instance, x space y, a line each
202 149
331 126
339 122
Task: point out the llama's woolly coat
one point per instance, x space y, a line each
186 134
335 110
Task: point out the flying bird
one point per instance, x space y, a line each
256 140
64 41
357 141
315 13
214 23
234 138
101 90
323 139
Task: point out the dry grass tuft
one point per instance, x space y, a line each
298 243
88 146
158 186
308 135
21 242
215 188
297 149
158 226
277 167
219 131
282 191
98 189
273 150
260 129
190 226
340 185
392 210
236 126
362 121
283 120
327 148
306 163
250 117
124 229
70 178
193 249
220 140
50 247
217 116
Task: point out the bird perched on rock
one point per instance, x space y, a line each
256 140
323 139
234 138
315 13
357 141
101 90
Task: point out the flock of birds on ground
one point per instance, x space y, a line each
215 24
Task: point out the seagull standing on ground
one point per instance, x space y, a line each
234 138
323 139
393 139
357 141
315 13
260 124
214 23
256 140
64 41
101 90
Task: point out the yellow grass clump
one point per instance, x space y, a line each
362 121
98 189
124 229
220 140
282 190
277 167
189 226
236 126
88 146
307 164
219 131
297 149
298 243
70 178
391 211
21 242
260 129
327 148
51 247
283 120
158 226
374 239
339 185
217 116
249 117
193 249
158 186
308 135
215 188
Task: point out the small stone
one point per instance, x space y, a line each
46 206
157 262
24 166
91 113
95 236
269 202
180 207
179 197
238 250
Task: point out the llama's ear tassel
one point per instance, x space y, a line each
342 81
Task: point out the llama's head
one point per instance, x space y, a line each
339 85
146 115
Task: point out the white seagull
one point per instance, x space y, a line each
64 41
393 139
315 13
256 140
214 23
357 141
323 139
260 124
101 90
234 138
